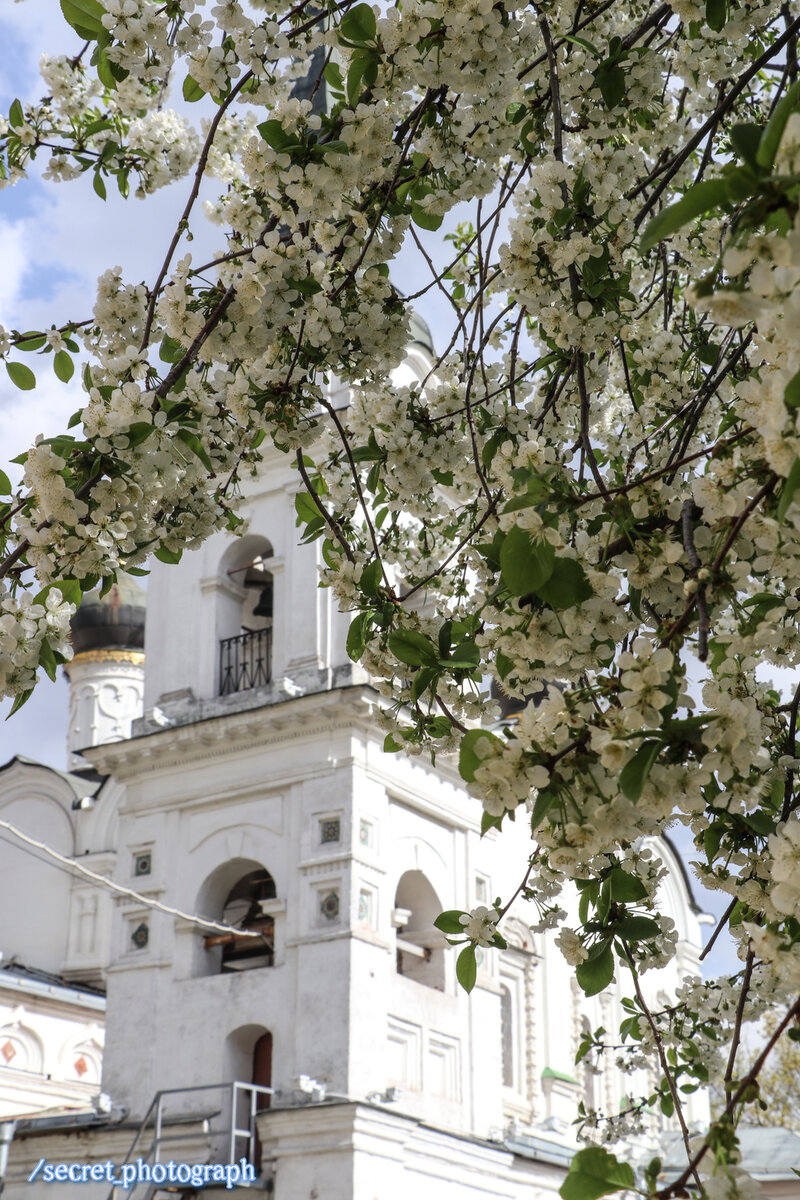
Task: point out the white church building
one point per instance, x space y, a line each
225 759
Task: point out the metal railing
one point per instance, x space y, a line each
245 661
227 1131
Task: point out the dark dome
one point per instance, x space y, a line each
114 622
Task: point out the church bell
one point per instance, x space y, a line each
264 606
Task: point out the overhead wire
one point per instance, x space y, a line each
71 866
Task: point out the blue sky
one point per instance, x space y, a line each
54 242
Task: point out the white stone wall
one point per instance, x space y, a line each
218 798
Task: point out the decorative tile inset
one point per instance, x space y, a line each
481 889
81 1066
365 907
8 1052
142 863
330 830
140 936
364 832
329 906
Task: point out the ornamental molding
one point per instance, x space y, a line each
134 657
227 734
224 735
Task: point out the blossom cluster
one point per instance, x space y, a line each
569 542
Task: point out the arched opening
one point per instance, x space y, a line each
245 616
419 944
234 894
248 1053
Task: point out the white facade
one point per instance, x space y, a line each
389 1076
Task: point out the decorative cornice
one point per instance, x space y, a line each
136 657
224 734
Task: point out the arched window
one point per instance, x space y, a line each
419 952
242 908
245 616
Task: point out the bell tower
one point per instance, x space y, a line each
106 674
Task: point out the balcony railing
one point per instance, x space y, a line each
245 661
220 1132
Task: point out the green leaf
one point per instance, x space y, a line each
99 186
467 967
192 92
525 564
363 67
771 137
305 508
359 25
356 637
611 81
625 887
745 140
594 974
70 590
196 446
5 484
579 41
716 14
21 376
170 350
16 117
468 759
370 580
307 286
20 699
791 396
139 432
31 341
105 72
412 647
422 681
789 489
275 135
424 217
567 585
391 744
63 366
708 194
541 807
595 1172
465 655
84 17
637 929
48 660
449 922
760 822
635 772
165 555
333 76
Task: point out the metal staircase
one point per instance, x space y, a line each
221 1133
